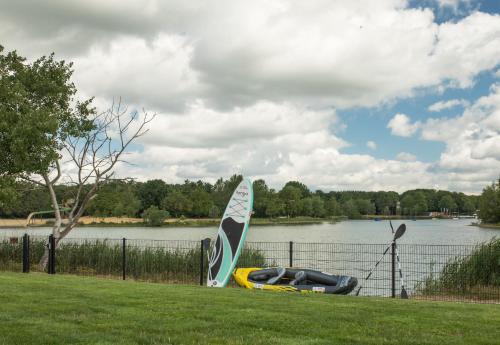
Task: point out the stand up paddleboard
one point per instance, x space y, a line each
231 235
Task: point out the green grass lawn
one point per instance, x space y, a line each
43 309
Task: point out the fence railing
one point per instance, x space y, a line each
443 272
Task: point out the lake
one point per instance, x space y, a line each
362 231
323 247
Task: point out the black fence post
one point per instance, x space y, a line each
202 259
26 253
393 269
291 254
52 254
124 258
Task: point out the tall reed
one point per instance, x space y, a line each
477 274
145 260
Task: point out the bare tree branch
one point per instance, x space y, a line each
95 156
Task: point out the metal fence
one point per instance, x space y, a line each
441 272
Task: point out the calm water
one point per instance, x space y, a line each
418 263
420 231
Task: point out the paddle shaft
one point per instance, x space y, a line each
374 267
404 294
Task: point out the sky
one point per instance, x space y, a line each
340 95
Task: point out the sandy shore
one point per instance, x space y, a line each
88 220
127 221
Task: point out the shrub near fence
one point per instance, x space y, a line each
448 272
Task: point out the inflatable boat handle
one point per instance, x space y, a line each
274 280
299 276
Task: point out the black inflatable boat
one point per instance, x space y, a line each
294 279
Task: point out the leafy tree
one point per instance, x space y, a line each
177 203
365 206
469 206
40 116
8 192
350 209
318 206
153 216
447 202
420 205
489 203
201 203
152 192
333 208
29 198
38 112
304 191
306 207
260 193
291 198
214 212
115 199
274 206
385 202
407 204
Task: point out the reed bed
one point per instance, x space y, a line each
476 276
159 261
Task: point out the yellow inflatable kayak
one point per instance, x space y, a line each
293 279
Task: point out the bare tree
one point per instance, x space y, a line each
94 155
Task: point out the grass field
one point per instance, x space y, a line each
43 309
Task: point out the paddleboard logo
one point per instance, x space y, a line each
242 194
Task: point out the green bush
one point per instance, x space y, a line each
153 216
472 274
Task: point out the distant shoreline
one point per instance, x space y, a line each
172 222
487 225
89 222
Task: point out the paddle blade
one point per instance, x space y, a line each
404 294
399 232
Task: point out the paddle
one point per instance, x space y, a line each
399 232
404 294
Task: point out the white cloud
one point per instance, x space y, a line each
401 125
281 142
277 142
371 145
406 157
251 86
157 73
441 105
472 139
236 53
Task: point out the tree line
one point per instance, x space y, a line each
200 199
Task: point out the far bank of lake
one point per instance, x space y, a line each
439 231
